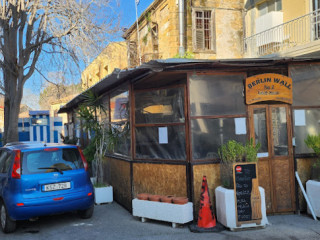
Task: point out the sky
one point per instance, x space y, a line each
127 13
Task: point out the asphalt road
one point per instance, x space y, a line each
111 221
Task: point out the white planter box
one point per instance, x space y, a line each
103 195
313 192
226 209
168 212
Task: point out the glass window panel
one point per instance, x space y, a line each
7 163
306 85
119 105
260 131
166 143
209 134
120 125
104 114
280 131
263 9
160 106
310 124
217 95
278 5
122 143
271 6
66 159
3 157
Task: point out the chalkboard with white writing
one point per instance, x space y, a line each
243 176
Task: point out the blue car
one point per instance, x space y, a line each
39 179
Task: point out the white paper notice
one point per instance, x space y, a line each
240 124
263 154
163 135
299 117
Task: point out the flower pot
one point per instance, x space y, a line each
154 198
313 192
166 199
226 210
143 196
180 200
103 194
174 213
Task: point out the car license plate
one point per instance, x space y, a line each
57 186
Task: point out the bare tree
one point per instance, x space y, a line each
30 28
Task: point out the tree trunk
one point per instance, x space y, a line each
11 108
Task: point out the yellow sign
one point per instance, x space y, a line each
268 87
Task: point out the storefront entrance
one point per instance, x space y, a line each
270 125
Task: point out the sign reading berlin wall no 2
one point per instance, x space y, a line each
268 87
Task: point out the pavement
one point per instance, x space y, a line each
111 221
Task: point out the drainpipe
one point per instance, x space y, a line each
181 27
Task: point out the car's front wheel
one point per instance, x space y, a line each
85 214
7 224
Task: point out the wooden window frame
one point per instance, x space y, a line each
211 28
134 126
190 118
302 155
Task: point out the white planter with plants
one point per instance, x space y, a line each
233 154
161 211
313 142
226 209
313 185
103 194
313 192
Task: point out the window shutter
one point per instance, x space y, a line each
203 30
199 39
213 31
194 30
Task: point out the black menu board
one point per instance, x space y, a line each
244 173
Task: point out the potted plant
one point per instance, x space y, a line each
100 142
313 142
313 185
230 153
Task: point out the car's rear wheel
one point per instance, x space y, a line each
85 214
7 224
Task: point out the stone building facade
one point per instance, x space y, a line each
211 29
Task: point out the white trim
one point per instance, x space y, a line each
38 133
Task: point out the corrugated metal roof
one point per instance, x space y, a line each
120 76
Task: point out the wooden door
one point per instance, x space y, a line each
271 126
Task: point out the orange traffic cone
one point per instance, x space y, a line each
206 217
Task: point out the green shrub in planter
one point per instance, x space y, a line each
229 153
313 142
233 152
251 151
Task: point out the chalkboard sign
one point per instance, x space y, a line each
247 195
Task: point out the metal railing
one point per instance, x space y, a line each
299 31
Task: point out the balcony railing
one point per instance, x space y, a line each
299 31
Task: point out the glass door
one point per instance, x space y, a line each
270 125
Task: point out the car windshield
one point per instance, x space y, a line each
57 160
